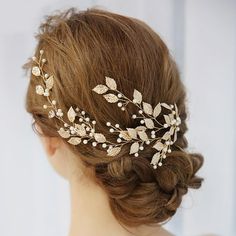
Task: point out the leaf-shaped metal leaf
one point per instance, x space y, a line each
74 140
134 148
111 83
157 110
36 71
158 145
100 138
166 136
147 108
49 82
71 114
125 135
63 133
143 135
149 123
167 119
155 159
100 89
113 151
166 105
175 136
111 98
132 133
137 96
172 129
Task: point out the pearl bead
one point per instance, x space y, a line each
80 119
160 164
83 112
94 144
165 125
43 60
141 148
172 106
71 128
134 116
119 95
153 132
108 123
119 140
111 130
117 125
142 121
72 132
46 76
147 142
153 136
45 106
122 108
85 141
178 129
41 52
119 104
92 130
164 156
155 167
169 150
54 102
167 142
140 111
104 145
134 101
120 135
94 122
136 154
87 128
65 125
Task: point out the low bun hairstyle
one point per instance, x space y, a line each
81 48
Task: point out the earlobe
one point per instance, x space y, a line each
51 145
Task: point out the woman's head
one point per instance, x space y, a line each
82 48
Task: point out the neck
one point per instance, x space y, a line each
91 214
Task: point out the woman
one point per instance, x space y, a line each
110 109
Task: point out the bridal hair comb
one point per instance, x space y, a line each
84 130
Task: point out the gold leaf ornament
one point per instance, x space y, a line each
111 83
155 159
143 135
100 89
158 145
100 138
149 123
49 82
157 110
147 108
137 96
74 140
134 148
71 114
132 133
113 151
111 98
63 133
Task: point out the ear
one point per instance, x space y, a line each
50 144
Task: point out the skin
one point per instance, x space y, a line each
90 211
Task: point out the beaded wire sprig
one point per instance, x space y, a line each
84 130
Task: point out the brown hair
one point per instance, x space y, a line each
83 47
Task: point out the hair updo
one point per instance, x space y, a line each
83 47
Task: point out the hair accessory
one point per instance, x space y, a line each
84 130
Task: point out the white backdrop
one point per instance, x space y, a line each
201 34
